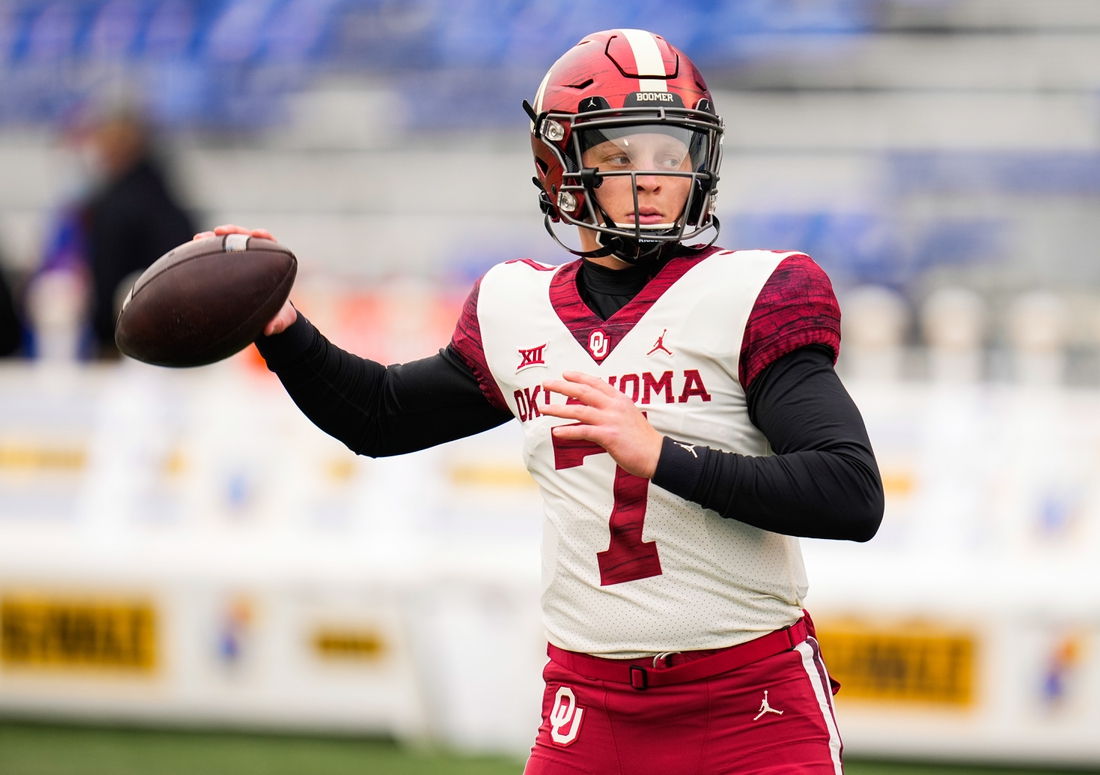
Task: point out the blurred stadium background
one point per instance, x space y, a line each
184 550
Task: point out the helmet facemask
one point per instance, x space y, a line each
605 145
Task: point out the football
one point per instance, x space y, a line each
205 300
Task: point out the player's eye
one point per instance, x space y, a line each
670 160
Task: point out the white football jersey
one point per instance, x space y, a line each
630 569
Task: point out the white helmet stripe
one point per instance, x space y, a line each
647 60
541 91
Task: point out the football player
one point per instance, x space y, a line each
681 416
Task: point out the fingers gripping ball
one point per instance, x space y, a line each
205 300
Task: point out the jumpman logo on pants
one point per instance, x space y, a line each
766 708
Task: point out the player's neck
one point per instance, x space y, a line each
608 262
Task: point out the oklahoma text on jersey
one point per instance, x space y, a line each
644 388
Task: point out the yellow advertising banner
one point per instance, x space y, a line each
352 645
38 631
918 665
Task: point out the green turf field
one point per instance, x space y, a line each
34 749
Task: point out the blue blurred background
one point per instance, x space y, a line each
906 143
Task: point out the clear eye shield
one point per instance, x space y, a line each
635 139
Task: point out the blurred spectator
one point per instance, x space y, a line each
10 330
129 220
120 218
56 300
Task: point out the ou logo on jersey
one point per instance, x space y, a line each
565 717
598 344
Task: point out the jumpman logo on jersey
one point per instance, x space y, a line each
766 708
688 448
660 344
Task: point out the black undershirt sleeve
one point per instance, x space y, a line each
822 481
378 410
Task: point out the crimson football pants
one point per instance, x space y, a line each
774 715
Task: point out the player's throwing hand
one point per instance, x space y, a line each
286 314
607 417
231 228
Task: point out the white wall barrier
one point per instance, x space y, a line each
184 547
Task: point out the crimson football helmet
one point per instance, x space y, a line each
610 87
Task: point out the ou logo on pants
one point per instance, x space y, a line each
565 717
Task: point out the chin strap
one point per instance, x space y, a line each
630 250
620 247
618 252
624 248
604 251
661 248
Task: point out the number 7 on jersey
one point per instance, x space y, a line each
628 557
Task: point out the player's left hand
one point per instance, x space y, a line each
608 418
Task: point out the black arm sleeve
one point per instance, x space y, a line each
823 481
378 410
